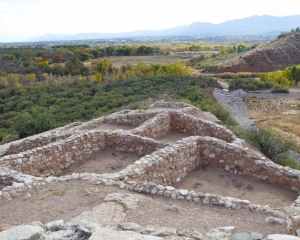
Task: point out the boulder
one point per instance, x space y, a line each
22 232
247 236
71 230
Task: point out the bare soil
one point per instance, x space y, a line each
281 114
105 161
221 182
272 56
110 126
67 200
173 136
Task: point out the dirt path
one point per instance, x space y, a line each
240 104
234 103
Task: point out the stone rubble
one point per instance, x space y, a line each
36 161
58 230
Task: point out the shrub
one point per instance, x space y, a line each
9 138
250 84
279 88
134 106
285 159
269 144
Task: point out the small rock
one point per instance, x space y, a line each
274 220
221 233
130 227
170 188
190 233
18 185
228 204
206 200
55 225
164 231
183 192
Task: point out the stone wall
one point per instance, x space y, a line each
198 127
51 159
173 162
154 127
133 118
173 105
121 141
41 139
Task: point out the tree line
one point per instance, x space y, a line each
27 110
100 70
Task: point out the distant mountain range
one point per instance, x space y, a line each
255 25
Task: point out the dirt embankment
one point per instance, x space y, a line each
273 56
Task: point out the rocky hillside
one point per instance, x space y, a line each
273 56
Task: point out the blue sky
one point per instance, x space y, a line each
24 19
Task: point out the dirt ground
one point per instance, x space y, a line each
173 136
105 161
220 182
110 126
67 200
281 114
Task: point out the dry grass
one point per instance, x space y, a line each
285 126
134 60
281 115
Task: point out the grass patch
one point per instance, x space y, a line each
286 159
279 88
210 63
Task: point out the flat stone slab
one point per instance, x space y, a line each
282 237
109 234
247 236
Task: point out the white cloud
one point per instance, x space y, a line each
30 18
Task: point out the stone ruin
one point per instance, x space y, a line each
41 159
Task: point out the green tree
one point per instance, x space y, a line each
83 56
102 66
28 124
73 66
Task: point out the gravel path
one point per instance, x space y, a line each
234 103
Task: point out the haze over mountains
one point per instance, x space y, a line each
254 25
